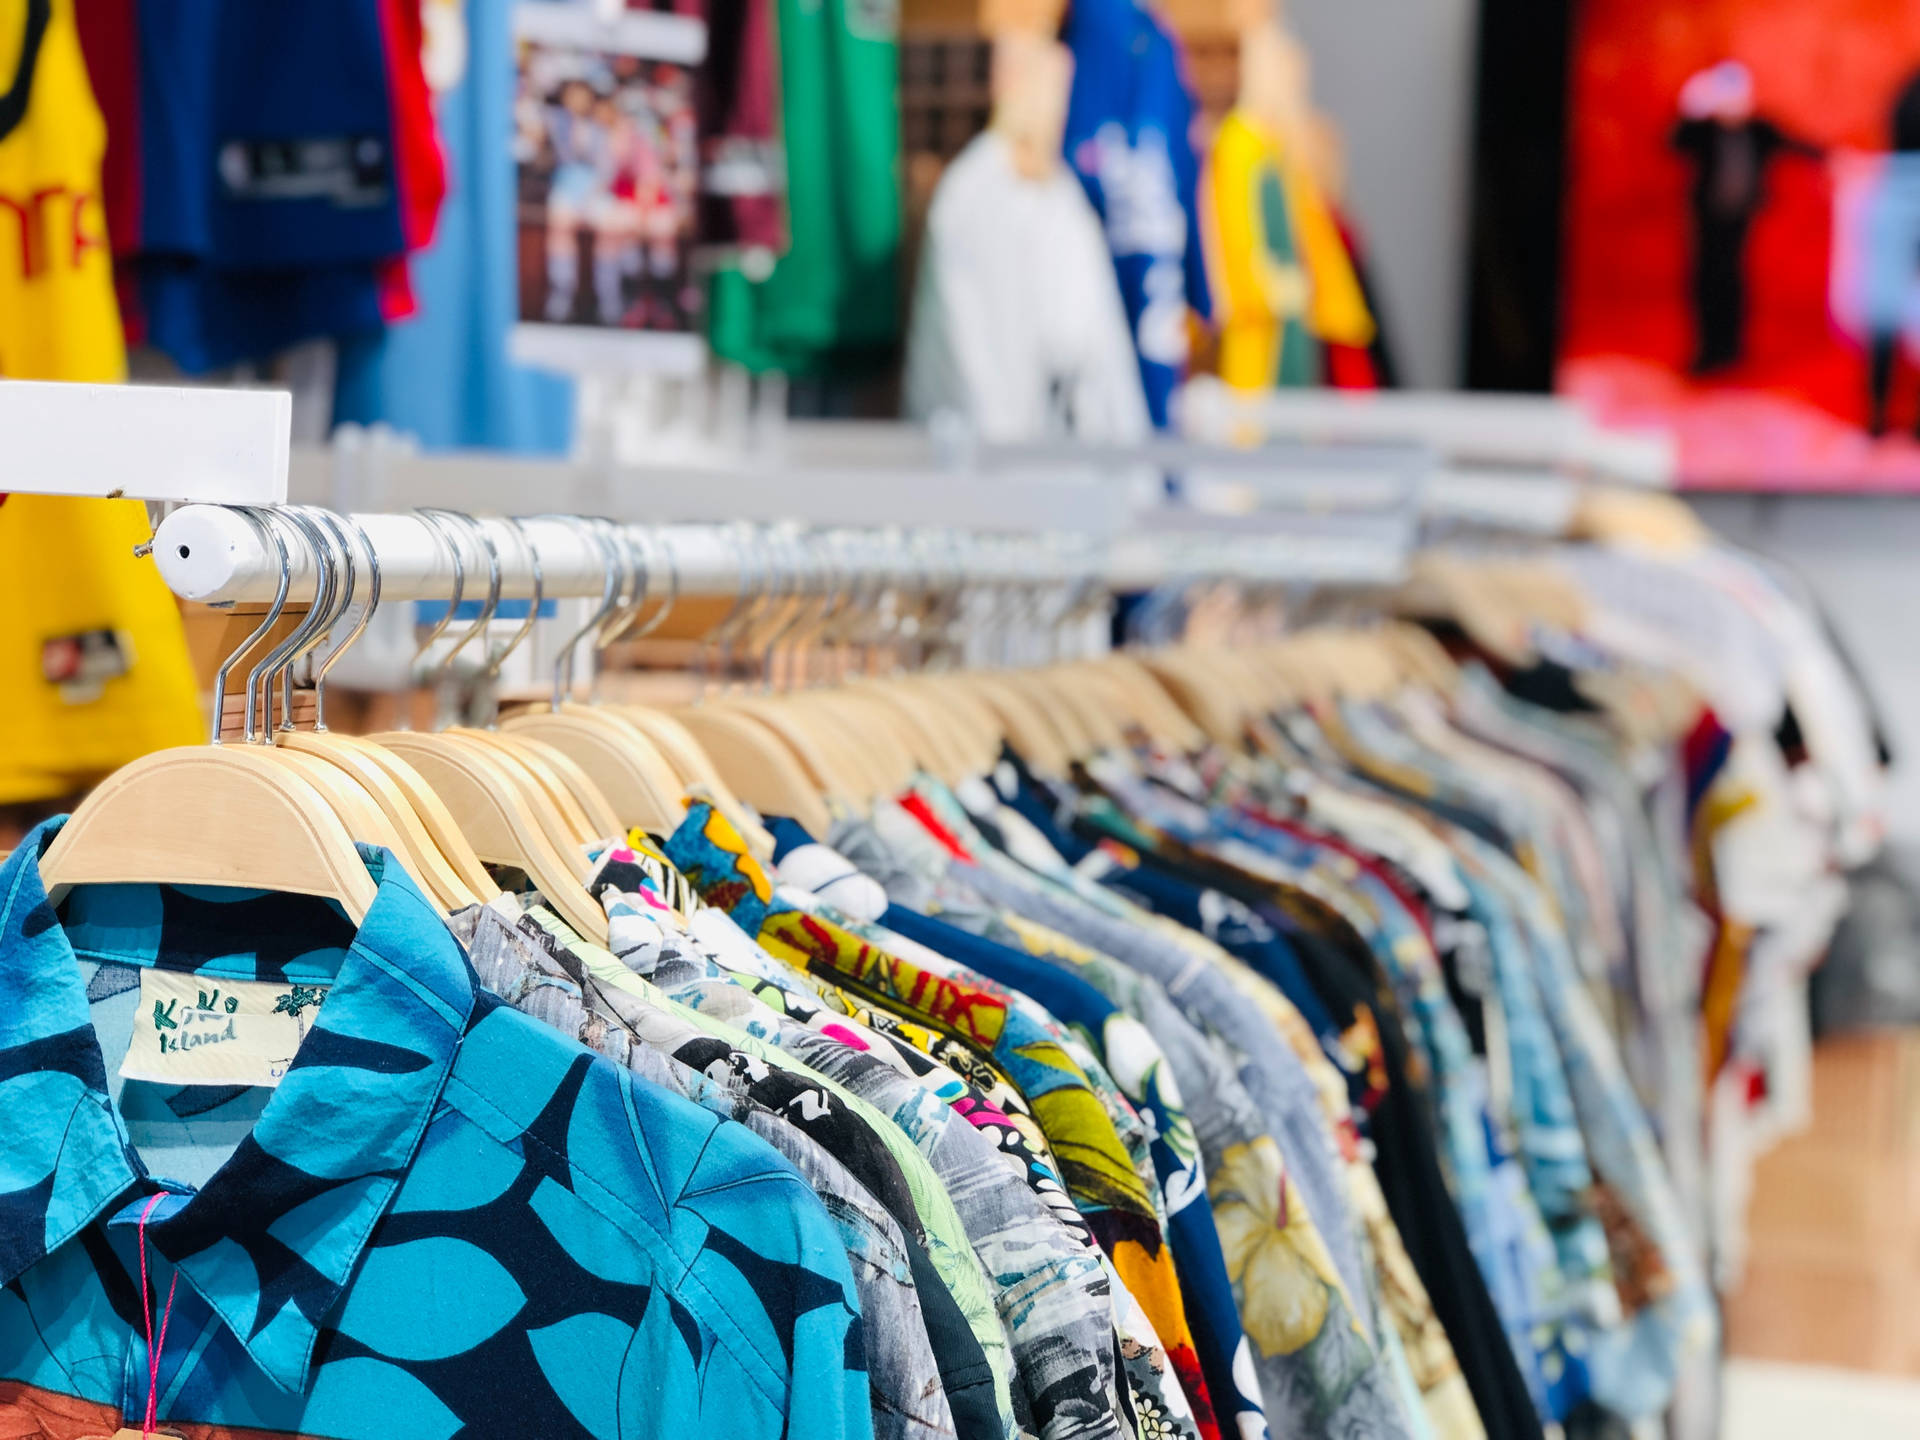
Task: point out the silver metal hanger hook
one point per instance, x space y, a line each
262 676
271 534
644 538
329 606
341 524
634 582
609 598
793 602
755 544
710 645
532 552
836 598
630 596
488 607
437 526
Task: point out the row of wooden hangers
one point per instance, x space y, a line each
281 810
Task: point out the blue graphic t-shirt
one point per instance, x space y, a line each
1128 126
445 1220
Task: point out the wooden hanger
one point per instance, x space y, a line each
1029 728
757 764
220 815
1200 690
230 816
697 772
615 771
503 820
941 745
426 845
1064 719
981 732
1170 723
817 760
496 797
612 750
396 824
587 814
884 737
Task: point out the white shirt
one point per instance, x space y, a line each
1018 325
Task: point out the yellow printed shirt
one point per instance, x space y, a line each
1283 278
93 659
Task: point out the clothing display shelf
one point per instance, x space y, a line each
1357 503
1519 432
876 473
146 442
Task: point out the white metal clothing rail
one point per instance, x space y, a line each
219 556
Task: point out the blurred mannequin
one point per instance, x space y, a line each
1018 326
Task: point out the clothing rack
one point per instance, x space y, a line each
216 555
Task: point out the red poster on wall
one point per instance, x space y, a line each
1743 235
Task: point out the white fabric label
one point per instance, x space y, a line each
194 1030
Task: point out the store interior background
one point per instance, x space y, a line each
1836 1212
1400 77
1452 114
1430 146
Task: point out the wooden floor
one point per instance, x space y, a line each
1833 1275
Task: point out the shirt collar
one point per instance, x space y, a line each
272 1239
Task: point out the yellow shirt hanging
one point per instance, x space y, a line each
93 661
1283 275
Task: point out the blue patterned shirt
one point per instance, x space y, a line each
445 1220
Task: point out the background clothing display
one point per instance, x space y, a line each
864 785
833 295
1129 138
92 660
1017 324
445 376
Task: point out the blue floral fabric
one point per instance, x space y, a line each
447 1219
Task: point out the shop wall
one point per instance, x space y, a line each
1398 76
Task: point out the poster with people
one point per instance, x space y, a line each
606 175
1743 235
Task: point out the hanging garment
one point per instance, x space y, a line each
1286 277
442 1213
664 1023
1130 120
831 301
252 243
742 204
1017 325
1261 277
444 376
908 1398
93 660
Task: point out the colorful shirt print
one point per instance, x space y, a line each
908 1399
1098 1172
705 1042
1050 1287
443 1213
